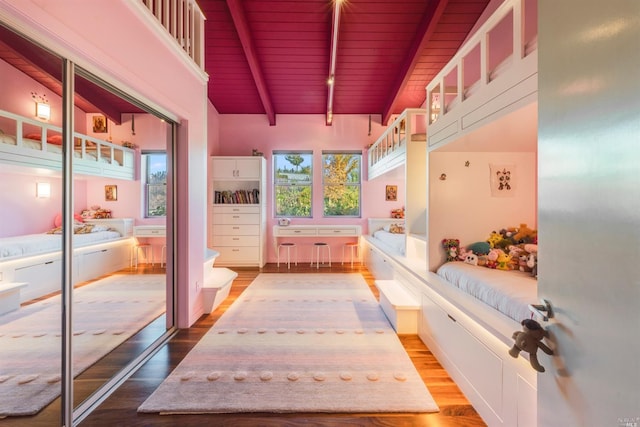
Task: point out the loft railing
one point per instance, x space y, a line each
184 20
505 40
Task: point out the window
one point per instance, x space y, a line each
155 183
293 181
341 183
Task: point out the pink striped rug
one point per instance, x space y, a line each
297 343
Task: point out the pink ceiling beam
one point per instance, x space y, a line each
430 19
242 28
331 81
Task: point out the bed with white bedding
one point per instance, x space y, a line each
32 143
33 244
391 237
509 292
104 246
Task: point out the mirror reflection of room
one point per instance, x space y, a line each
119 278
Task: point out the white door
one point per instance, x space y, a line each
589 210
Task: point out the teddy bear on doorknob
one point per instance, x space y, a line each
530 340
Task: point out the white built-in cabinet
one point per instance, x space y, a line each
237 210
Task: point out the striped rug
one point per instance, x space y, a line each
105 314
297 343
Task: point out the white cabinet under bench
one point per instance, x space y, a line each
42 271
468 337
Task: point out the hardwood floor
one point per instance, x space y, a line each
120 408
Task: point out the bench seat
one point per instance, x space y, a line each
400 307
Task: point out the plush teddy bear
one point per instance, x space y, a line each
525 235
452 247
530 340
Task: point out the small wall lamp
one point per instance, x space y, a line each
43 190
43 110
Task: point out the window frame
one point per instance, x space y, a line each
146 156
358 184
276 154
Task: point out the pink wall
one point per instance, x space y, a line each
22 212
240 134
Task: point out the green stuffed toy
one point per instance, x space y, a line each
530 340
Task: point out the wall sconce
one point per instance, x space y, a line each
43 111
43 190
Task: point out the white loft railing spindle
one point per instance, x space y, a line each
184 20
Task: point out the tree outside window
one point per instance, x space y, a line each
155 184
293 181
341 179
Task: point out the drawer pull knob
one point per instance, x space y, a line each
451 317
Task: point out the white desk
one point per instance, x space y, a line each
150 231
320 231
316 230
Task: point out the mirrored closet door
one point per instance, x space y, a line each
86 205
31 196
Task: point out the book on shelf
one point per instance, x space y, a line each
229 197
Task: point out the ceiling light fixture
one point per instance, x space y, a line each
332 61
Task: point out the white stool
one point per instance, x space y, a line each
353 247
147 251
318 246
288 247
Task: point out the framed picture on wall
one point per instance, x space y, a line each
391 193
99 124
111 193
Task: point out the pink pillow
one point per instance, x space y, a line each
55 140
57 221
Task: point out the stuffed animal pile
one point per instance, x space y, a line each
513 248
397 213
95 212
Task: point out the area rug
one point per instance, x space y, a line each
105 314
297 343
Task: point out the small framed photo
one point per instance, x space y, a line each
111 193
391 193
99 124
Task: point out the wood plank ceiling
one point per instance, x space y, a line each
273 56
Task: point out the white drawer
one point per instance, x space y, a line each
236 209
150 231
342 231
235 241
297 231
237 254
236 230
236 219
